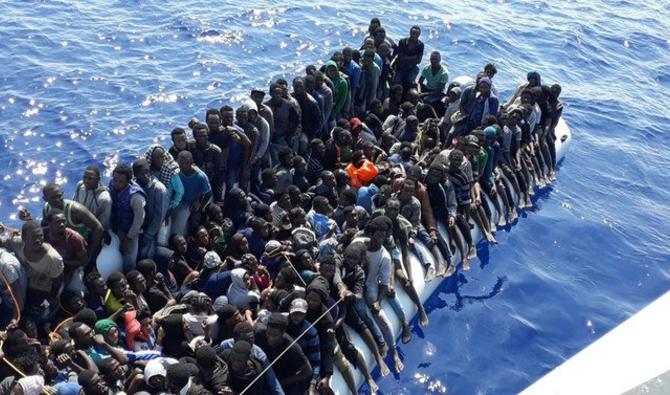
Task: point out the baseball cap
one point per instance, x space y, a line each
298 305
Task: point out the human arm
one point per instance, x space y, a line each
81 215
263 139
177 191
116 353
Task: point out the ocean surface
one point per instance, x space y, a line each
99 81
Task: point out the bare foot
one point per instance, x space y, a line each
491 239
441 269
406 334
430 274
472 253
450 271
502 222
423 318
373 386
466 265
552 176
383 350
513 216
383 368
397 362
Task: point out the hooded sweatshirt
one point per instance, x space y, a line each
238 293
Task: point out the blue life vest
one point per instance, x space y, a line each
122 212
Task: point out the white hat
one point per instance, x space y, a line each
212 260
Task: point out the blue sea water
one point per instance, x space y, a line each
98 81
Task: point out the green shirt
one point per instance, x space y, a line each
434 81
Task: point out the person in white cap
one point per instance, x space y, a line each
213 281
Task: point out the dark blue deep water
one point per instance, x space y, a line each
98 81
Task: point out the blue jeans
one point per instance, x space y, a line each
362 309
406 76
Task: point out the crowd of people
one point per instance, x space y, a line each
251 242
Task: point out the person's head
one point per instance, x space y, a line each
215 213
73 301
229 315
157 158
201 237
412 124
86 316
380 35
347 55
297 216
484 86
206 358
341 177
56 223
328 178
244 331
374 24
527 97
299 165
299 87
109 331
354 255
227 115
276 93
555 91
435 174
368 57
242 115
53 195
32 235
379 227
318 148
320 205
111 369
142 171
117 284
178 244
240 358
201 135
533 78
435 59
82 335
185 161
285 279
414 33
177 377
332 70
260 227
490 70
214 122
407 109
239 243
297 311
257 95
121 177
392 208
179 139
453 94
148 269
136 281
413 97
92 383
396 93
285 156
276 327
407 191
283 200
91 177
455 160
95 284
318 78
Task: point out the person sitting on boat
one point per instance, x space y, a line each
433 79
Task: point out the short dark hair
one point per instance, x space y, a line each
125 170
177 132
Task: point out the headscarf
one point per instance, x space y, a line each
168 169
174 343
103 327
238 293
157 367
485 80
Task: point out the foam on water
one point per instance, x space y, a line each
97 82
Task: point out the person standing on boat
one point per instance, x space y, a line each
94 196
484 103
156 209
408 56
77 217
128 202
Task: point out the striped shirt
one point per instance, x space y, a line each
309 344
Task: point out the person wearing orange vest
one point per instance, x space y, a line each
361 171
